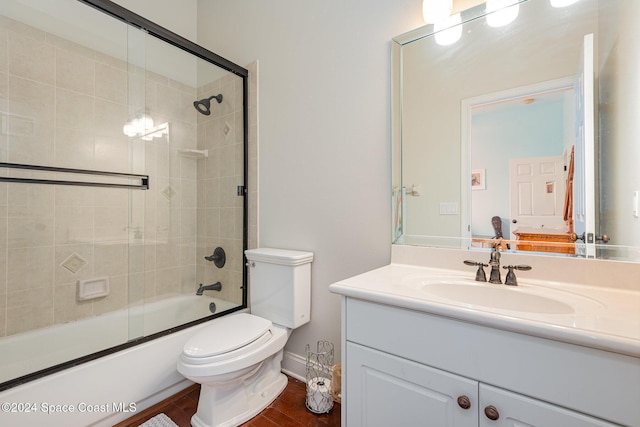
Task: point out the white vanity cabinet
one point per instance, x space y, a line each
384 390
515 410
409 368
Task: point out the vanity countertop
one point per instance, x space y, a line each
597 317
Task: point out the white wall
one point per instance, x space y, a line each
324 130
179 16
619 126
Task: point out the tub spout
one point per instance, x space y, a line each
215 287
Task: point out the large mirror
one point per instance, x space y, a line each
523 131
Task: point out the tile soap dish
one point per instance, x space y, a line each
93 288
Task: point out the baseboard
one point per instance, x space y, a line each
294 365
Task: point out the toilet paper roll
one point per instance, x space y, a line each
319 398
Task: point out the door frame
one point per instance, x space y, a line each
467 107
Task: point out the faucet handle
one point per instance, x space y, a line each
218 257
480 275
511 279
522 267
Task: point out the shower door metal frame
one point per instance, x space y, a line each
150 27
118 12
144 179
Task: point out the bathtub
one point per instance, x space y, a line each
109 389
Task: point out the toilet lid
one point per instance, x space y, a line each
226 334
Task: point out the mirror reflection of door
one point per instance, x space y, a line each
527 123
537 187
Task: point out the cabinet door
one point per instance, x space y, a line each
515 410
384 390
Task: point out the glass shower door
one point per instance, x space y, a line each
193 208
115 191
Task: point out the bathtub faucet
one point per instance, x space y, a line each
215 287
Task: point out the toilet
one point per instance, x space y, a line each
236 358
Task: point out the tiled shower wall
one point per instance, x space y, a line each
219 175
62 104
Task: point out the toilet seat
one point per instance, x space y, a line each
226 337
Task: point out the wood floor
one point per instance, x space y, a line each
287 410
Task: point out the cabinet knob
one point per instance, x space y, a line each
491 412
464 402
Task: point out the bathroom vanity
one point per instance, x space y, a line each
427 346
430 346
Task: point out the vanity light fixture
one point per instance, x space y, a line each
436 10
448 31
562 3
155 132
142 127
501 12
138 125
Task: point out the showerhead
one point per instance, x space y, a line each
204 105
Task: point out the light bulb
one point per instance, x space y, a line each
501 12
137 125
128 129
436 10
448 31
147 121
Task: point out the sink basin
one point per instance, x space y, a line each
499 297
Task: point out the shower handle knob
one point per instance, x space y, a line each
219 258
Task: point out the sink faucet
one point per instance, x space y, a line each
215 287
494 276
494 262
480 276
511 279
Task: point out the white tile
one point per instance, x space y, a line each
111 83
31 58
74 71
74 110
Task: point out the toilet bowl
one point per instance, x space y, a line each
237 361
237 358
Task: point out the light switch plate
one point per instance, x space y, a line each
449 208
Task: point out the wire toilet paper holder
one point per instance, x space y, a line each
318 375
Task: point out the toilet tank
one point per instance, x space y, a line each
280 285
